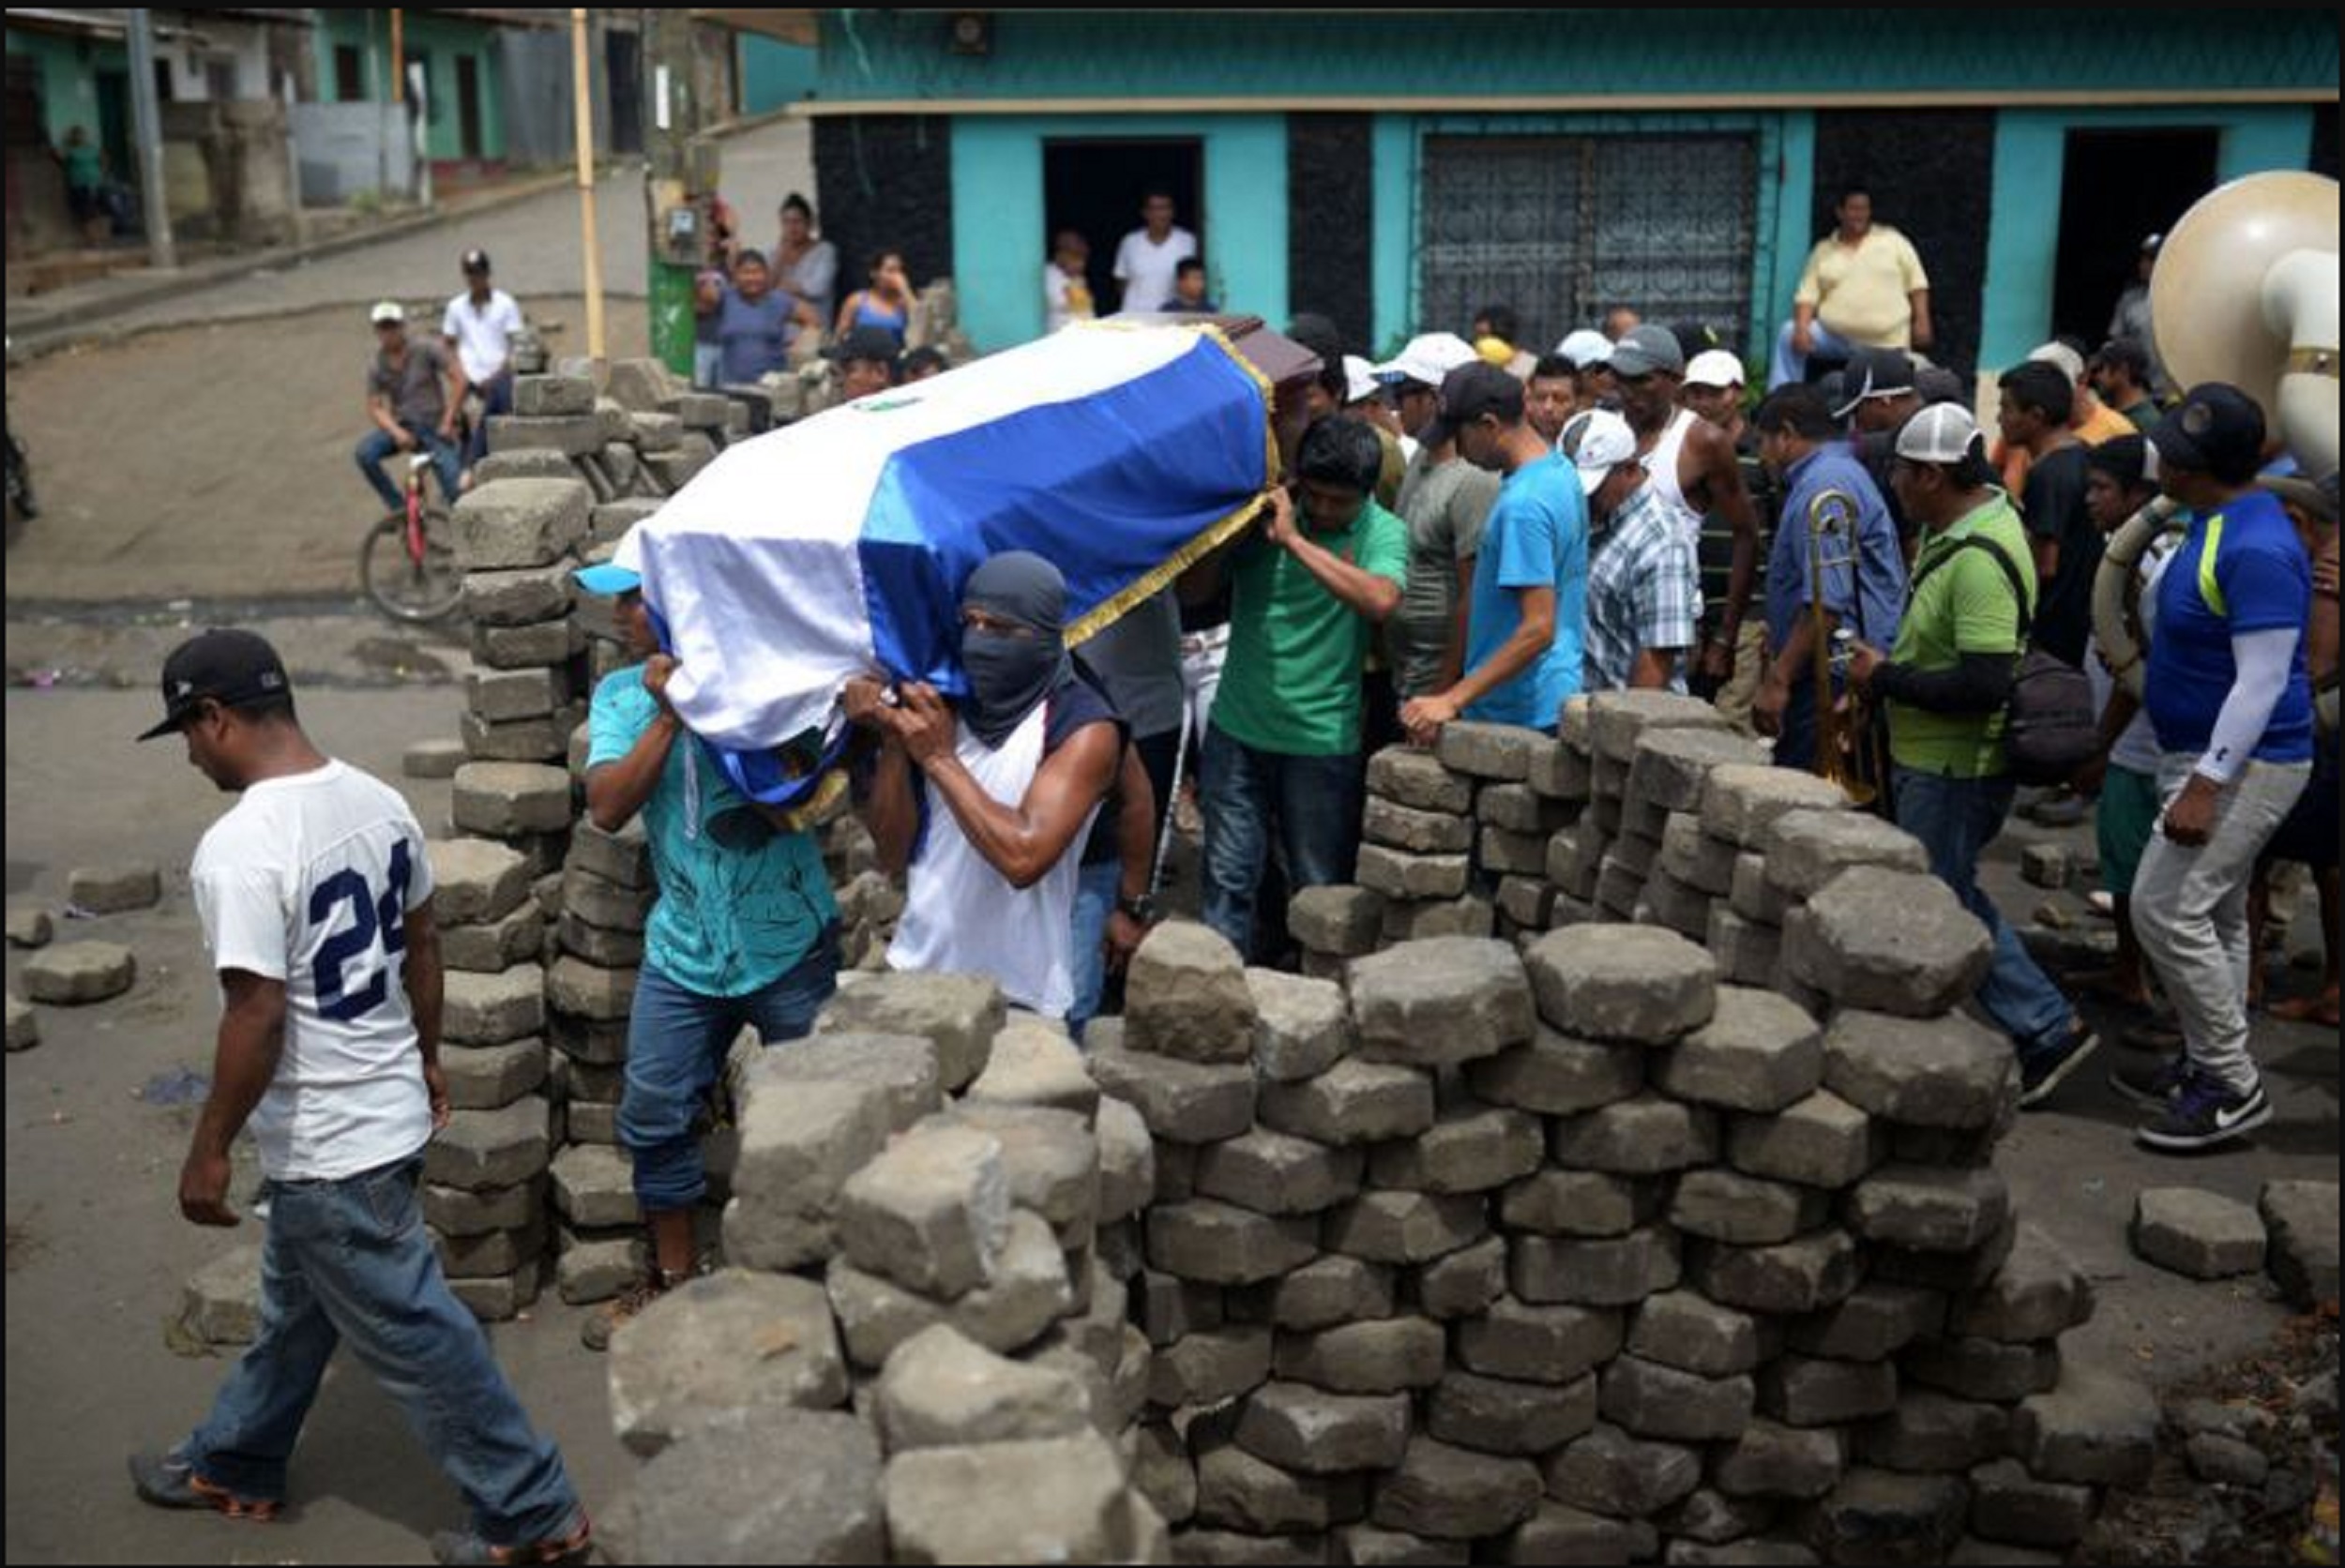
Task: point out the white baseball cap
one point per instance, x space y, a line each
388 310
1596 442
1426 358
1585 347
1359 379
2070 362
1940 433
1714 368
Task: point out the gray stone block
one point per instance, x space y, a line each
1496 1415
1610 1270
1986 1369
1742 800
73 973
498 696
1405 1227
484 1150
1344 921
1926 1209
492 1009
1934 1434
931 1212
595 1187
526 740
1183 1101
1558 1075
2300 1219
1034 1064
1653 1400
582 990
506 800
1771 1460
491 949
1803 850
1211 1367
524 596
621 858
1388 1356
1419 781
1578 1203
1500 751
115 889
1820 1142
1622 983
493 1255
2009 1506
2095 1428
601 948
709 1500
608 905
455 1212
1946 1072
1454 1494
1236 1491
1747 952
1619 721
1370 1547
475 882
1402 876
548 397
1321 1295
29 926
573 435
1895 942
1560 1534
1465 1152
1873 1323
1127 1160
1353 1102
1687 1329
1312 1432
1030 1292
940 1390
1701 863
1505 853
1062 1500
1802 1391
1758 1053
491 1076
1643 1136
596 1270
1672 766
1527 901
1533 1344
1465 1283
23 1024
1608 1472
519 523
1219 1243
1745 1210
1805 1274
1562 773
1187 997
961 1013
1431 920
1877 1515
221 1302
544 645
1275 1173
1302 1028
1415 832
1753 897
523 463
2200 1234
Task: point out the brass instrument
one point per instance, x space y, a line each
1849 751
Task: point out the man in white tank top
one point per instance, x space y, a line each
984 807
1691 470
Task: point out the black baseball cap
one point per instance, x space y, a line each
1470 391
476 261
866 342
234 669
1874 372
2216 429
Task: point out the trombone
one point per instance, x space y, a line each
1849 749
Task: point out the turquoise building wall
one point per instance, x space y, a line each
440 40
773 74
68 71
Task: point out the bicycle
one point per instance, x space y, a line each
407 561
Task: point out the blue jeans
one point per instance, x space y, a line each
1095 901
1956 819
376 445
1313 802
676 1041
1790 365
351 1260
496 397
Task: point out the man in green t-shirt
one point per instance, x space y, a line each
1283 753
1946 683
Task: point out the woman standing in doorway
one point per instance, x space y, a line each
886 304
806 266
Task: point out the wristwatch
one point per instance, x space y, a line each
1142 909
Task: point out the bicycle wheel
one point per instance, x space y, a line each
401 587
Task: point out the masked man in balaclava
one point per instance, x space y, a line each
983 805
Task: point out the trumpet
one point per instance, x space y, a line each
1849 751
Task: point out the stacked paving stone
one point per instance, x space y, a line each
918 1350
1616 1246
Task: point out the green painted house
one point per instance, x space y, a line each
1399 170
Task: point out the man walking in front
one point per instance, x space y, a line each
479 325
315 896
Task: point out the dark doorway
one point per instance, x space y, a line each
113 123
1094 188
623 69
2117 187
468 105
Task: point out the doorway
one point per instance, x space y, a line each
1094 186
468 106
2117 187
623 71
114 124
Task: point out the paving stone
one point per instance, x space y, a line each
29 926
1219 1243
730 1340
1950 1272
1758 1053
1050 1158
1710 1527
1502 852
1303 1026
1029 1292
70 974
221 1302
1239 1492
1803 851
23 1024
1618 1271
1753 897
1273 1173
1127 1160
1496 1415
1727 1206
1353 1102
494 1255
484 1150
1398 875
1454 1494
1463 1151
1687 1330
1771 1460
2095 1428
1747 952
1879 1516
1643 1136
1895 942
1801 1276
579 988
590 1270
604 949
2300 1219
1539 1344
502 696
1441 1002
457 1212
1368 1547
1527 901
1575 858
545 397
1986 1369
1946 1072
1465 1283
509 1004
2223 1462
1061 1500
594 1186
572 435
1413 832
1187 997
1431 920
486 1077
116 888
1388 1356
1163 1473
1876 1321
931 1212
1346 921
1622 983
1926 1209
1743 800
1419 779
1608 1472
1405 1227
1934 1434
1560 1534
1321 1295
1211 1366
961 1013
1701 863
1820 1142
526 597
528 464
519 522
1311 1432
2008 1506
1562 773
708 1499
1672 766
526 740
1620 721
1499 751
941 1390
492 949
1578 1203
605 905
1168 1309
1034 1064
1558 1075
1519 808
623 858
1183 1101
1653 1400
1805 1390
904 1068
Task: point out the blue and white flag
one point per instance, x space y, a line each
836 546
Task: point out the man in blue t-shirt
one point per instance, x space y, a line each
745 932
2227 694
1526 606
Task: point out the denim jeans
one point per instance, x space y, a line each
1095 901
376 445
496 397
676 1041
1956 819
1312 803
1788 365
350 1260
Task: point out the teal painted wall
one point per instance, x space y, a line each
773 74
2023 243
999 244
440 40
68 70
1277 55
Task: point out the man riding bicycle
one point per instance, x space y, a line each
414 395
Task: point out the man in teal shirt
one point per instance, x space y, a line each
1283 750
745 932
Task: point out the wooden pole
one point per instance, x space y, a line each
398 56
583 102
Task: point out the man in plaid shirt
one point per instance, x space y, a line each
1645 592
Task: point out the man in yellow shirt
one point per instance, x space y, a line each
1863 286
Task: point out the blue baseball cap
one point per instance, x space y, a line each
609 577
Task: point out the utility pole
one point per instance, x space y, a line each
148 117
583 104
679 178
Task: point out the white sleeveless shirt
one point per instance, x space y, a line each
1662 475
962 916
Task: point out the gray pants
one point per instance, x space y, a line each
2190 911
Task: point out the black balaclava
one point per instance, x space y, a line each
1007 674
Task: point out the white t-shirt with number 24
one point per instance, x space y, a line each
309 881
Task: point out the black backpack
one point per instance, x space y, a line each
2051 724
